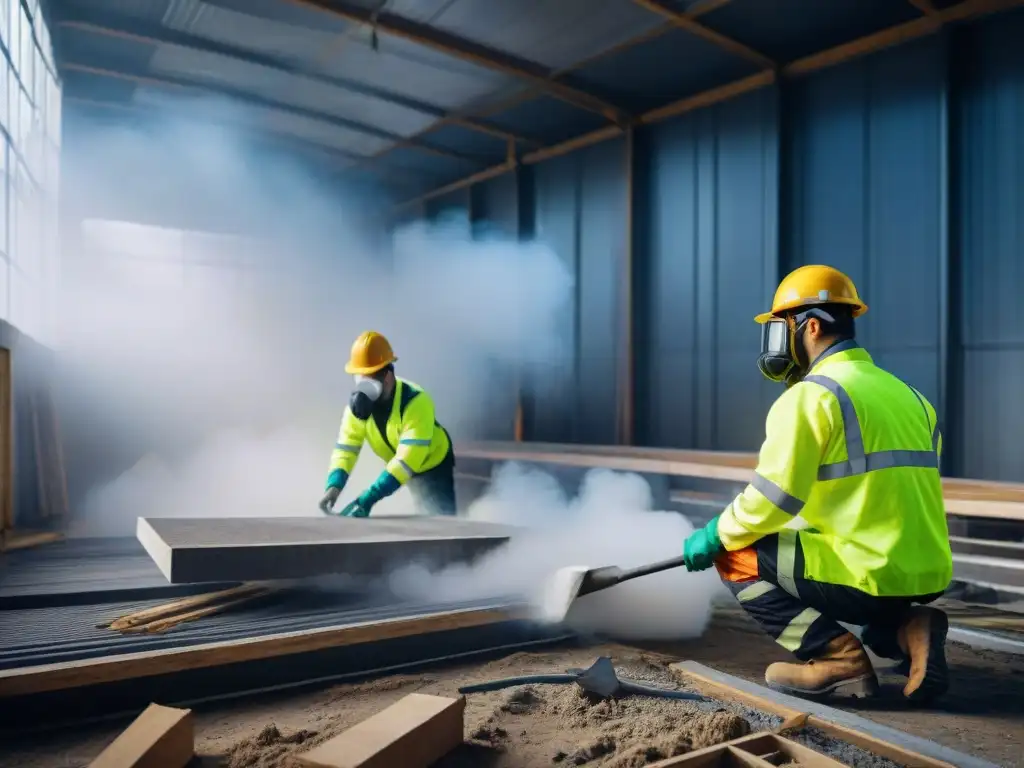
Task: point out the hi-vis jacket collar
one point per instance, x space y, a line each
843 351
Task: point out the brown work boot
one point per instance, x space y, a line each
842 668
923 639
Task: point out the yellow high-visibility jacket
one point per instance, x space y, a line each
854 451
412 440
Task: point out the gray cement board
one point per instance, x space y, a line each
190 550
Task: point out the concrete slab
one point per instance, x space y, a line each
161 737
414 732
265 549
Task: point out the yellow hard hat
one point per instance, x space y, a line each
370 352
810 285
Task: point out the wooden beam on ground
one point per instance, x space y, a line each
965 498
467 50
161 737
414 732
11 539
131 666
686 22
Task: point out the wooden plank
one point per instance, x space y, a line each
414 732
966 498
11 540
161 737
130 666
831 721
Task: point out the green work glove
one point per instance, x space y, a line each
702 547
355 509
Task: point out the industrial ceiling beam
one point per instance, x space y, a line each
135 30
686 22
177 83
468 50
877 41
924 6
694 11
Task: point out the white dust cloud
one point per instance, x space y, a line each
609 523
203 375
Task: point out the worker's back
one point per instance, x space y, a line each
877 516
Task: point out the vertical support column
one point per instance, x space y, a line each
525 221
951 385
626 366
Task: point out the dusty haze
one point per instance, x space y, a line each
216 389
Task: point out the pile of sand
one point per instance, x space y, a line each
611 733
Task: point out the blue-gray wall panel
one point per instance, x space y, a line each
602 248
711 264
991 249
864 194
553 397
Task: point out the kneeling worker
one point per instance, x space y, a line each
396 417
854 452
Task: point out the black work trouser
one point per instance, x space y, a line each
434 490
807 621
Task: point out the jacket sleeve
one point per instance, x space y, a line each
414 441
797 434
350 441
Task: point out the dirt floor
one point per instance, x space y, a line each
555 726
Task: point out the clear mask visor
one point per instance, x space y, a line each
775 338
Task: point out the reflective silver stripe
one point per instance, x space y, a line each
406 467
859 462
792 636
928 419
785 561
881 460
851 424
776 495
754 591
413 441
349 448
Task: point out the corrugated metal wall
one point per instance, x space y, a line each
989 243
905 169
709 201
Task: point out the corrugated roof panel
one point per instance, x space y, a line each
321 97
555 34
234 112
81 47
254 33
215 68
86 86
286 88
415 71
666 69
548 119
295 14
151 10
789 29
460 139
430 166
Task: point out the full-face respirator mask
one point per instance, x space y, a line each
368 391
782 350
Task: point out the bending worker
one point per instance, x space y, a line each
396 417
844 520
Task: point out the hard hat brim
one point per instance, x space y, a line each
367 370
859 308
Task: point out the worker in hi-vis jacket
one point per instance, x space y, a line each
396 417
844 519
